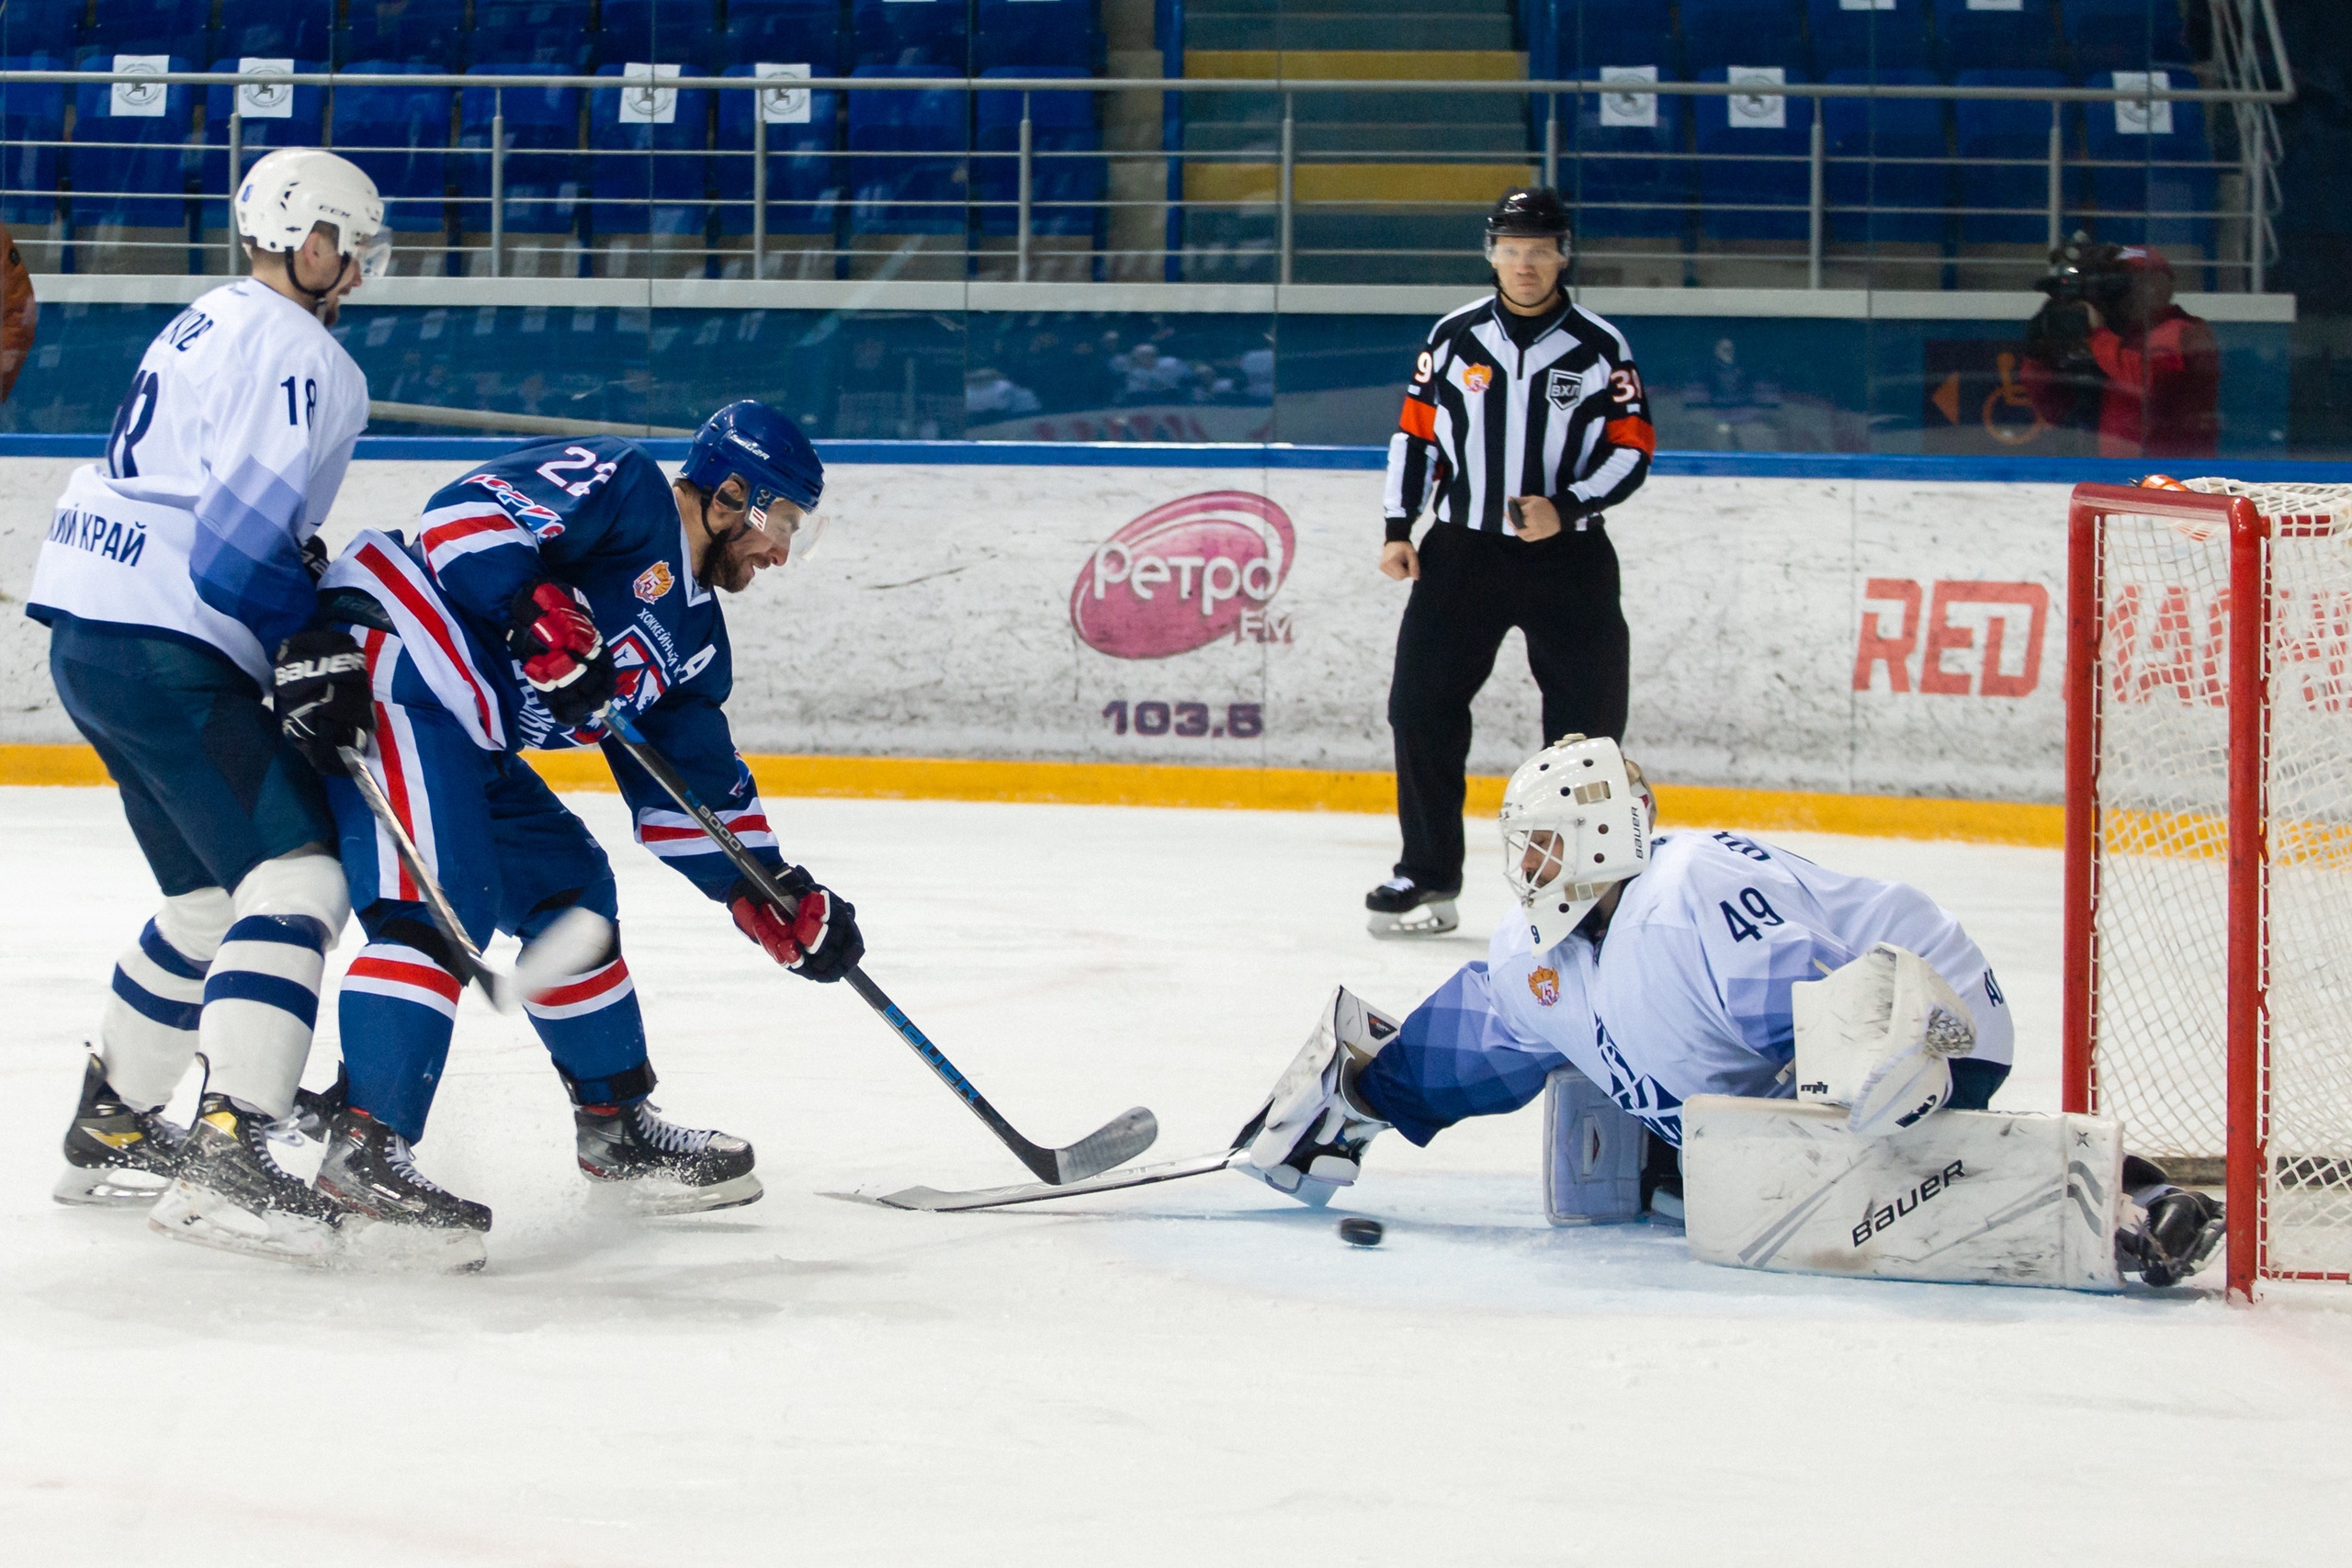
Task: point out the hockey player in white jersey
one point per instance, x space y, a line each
173 572
1663 966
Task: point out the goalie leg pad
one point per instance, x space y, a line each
1969 1197
1593 1150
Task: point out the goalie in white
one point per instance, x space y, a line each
1668 966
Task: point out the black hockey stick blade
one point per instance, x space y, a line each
931 1199
1120 1139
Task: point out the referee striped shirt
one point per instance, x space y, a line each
1501 407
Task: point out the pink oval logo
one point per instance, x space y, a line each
1181 575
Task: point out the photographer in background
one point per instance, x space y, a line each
2111 352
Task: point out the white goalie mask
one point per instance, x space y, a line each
1575 817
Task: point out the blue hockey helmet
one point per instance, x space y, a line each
751 439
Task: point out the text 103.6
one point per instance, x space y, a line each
1243 721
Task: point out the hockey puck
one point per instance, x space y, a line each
1357 1232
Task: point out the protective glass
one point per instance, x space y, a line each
374 254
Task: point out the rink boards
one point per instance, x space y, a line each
1840 635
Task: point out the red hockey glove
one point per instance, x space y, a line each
564 655
818 941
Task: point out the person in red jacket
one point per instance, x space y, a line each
2159 370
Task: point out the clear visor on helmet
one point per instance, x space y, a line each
374 254
786 524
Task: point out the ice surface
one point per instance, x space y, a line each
1174 1375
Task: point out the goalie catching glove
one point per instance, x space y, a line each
325 699
1877 1037
1308 1138
563 654
819 941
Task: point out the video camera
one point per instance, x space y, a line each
2081 273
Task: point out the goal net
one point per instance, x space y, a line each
2208 796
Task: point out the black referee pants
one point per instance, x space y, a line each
1561 593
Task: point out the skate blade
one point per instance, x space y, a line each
108 1188
655 1196
1433 918
190 1214
386 1247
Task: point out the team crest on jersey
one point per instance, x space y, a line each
654 581
1546 984
1475 378
1561 387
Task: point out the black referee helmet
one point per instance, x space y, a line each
1530 211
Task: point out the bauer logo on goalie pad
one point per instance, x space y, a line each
1886 1215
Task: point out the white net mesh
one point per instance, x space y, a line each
2162 928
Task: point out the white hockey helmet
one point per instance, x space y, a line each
292 190
1575 817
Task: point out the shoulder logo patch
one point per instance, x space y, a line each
1476 377
1561 387
1546 984
654 581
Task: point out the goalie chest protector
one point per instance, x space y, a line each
1965 1197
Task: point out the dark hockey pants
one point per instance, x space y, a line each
1561 593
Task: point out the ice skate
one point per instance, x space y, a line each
661 1167
115 1156
1307 1140
231 1194
391 1214
1401 906
2177 1230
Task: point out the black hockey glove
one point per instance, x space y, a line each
563 654
324 696
818 941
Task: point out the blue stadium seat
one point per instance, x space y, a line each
41 27
2123 35
544 175
1734 32
2010 129
1638 33
1621 186
534 32
2153 140
131 158
30 113
929 33
637 30
1994 35
417 32
1877 128
804 186
793 31
152 27
1031 35
267 117
671 122
1755 151
275 29
886 188
401 136
1889 36
1064 193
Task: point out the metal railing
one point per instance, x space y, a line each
853 213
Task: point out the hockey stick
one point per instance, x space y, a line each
1116 1142
577 939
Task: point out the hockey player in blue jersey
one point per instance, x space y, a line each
1661 966
537 588
171 574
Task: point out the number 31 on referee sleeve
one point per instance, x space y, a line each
1628 384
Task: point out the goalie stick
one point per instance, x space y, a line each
576 938
1114 1142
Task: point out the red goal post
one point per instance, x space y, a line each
2208 972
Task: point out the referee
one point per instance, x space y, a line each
1524 421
